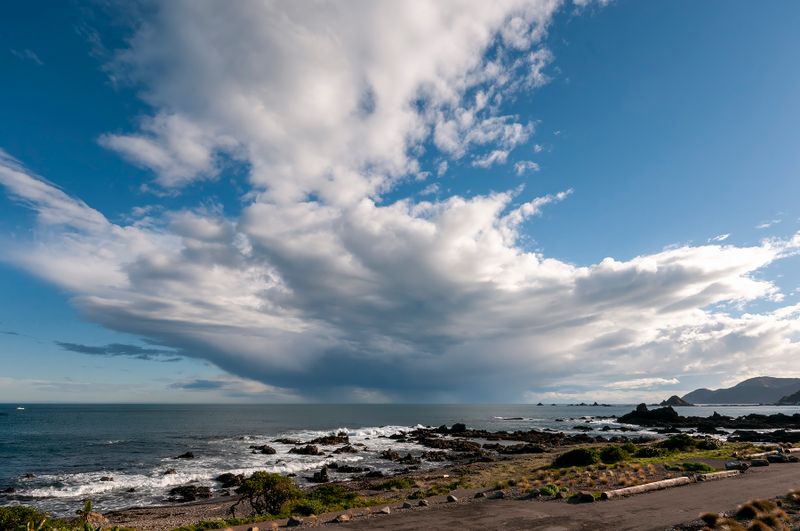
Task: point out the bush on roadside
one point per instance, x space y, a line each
613 454
681 442
267 492
577 457
648 451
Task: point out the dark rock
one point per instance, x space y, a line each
458 427
346 449
308 449
390 455
374 474
759 462
675 400
583 497
186 455
169 471
736 465
480 495
423 503
263 449
186 493
328 440
106 478
29 476
8 490
407 505
294 521
514 449
409 459
285 440
230 480
348 469
451 499
131 490
321 476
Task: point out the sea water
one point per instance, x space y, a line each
68 448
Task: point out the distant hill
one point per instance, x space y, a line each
760 390
790 400
675 400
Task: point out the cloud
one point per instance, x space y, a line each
768 224
121 350
239 388
643 383
498 156
720 238
328 284
525 166
27 55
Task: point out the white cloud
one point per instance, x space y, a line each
27 55
525 166
498 156
767 224
323 288
720 238
643 383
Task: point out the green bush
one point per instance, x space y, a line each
681 442
630 447
613 454
697 467
648 451
396 483
577 457
267 492
548 490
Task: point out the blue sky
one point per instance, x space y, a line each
319 222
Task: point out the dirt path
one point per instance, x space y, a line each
653 511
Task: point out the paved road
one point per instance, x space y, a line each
651 511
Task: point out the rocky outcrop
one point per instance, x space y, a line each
186 455
675 401
329 440
308 449
187 493
229 480
263 449
666 417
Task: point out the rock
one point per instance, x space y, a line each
106 478
451 499
385 510
346 449
781 458
479 495
342 518
131 490
254 528
263 449
499 495
229 480
321 476
584 497
186 493
407 505
390 454
328 440
759 462
736 465
374 474
423 503
186 455
29 476
308 449
560 495
514 449
458 427
169 471
8 490
285 440
409 459
294 521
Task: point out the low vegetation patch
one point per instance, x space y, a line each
396 483
613 454
577 457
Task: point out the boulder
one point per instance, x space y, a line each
423 503
321 476
342 518
458 427
169 471
583 497
385 510
346 449
106 478
294 521
328 440
230 480
187 493
308 449
185 455
479 495
263 449
390 454
407 505
759 462
451 499
349 469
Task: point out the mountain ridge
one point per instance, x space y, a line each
758 390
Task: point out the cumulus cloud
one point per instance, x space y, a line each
524 166
321 287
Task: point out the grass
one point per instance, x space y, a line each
24 518
396 484
435 490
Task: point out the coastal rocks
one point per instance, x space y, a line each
29 476
185 455
349 469
479 495
229 480
308 449
346 449
385 510
409 459
170 471
329 440
759 462
374 474
423 503
451 499
515 449
390 455
321 476
666 417
458 427
582 497
342 518
777 436
263 449
285 440
434 456
676 401
8 490
294 521
187 493
457 445
106 478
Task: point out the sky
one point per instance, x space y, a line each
377 201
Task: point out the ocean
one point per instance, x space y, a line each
68 448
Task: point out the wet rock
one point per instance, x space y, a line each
8 490
390 455
186 493
328 440
458 427
230 480
170 471
321 476
263 449
451 499
29 476
285 440
583 497
407 505
349 469
346 449
759 462
409 459
131 490
374 474
185 455
308 449
106 478
514 449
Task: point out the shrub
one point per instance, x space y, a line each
267 492
630 447
681 442
20 516
648 451
333 497
548 490
697 467
613 454
577 457
396 483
